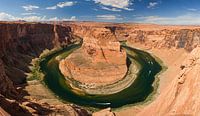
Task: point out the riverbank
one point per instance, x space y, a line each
172 59
36 88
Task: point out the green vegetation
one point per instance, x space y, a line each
36 72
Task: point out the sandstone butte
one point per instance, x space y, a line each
176 46
99 61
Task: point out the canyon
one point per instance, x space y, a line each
176 46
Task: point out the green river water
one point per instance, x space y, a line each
138 91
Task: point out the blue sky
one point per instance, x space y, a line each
142 11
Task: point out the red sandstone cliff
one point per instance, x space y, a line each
161 36
182 96
19 43
156 36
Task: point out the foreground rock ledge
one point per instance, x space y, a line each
100 60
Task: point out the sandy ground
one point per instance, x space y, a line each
37 90
172 58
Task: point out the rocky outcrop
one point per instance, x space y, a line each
100 60
19 43
182 95
6 85
104 112
13 107
34 107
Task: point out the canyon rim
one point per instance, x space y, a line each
99 58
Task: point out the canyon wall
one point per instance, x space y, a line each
154 36
182 96
19 44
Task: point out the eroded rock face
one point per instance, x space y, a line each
99 61
181 97
153 36
104 112
19 44
6 85
156 36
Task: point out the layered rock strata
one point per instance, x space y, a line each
181 97
19 44
100 60
151 35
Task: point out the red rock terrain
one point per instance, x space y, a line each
99 54
181 97
20 42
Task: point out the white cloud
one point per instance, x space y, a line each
51 7
30 7
192 9
7 17
122 4
34 18
152 4
73 18
187 19
61 5
108 17
110 9
53 19
29 13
